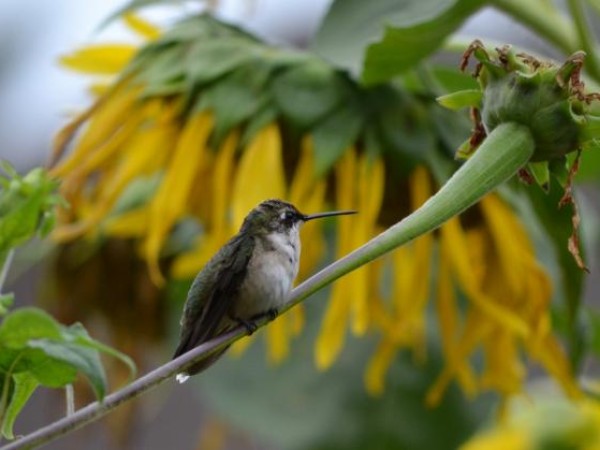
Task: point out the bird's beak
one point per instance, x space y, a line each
327 214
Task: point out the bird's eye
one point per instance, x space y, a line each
288 216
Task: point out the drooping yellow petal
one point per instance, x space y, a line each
219 229
331 337
130 224
260 174
142 27
378 367
99 59
370 196
170 202
308 194
453 238
106 120
278 339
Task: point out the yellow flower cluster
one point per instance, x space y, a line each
130 137
544 425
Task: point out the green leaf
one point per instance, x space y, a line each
334 135
24 385
77 356
25 324
237 97
558 226
413 30
77 334
211 59
26 204
589 168
6 301
408 41
461 99
541 173
307 92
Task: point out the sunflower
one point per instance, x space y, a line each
204 122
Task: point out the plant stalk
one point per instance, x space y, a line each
502 154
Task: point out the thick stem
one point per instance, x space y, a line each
502 154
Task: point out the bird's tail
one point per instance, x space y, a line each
200 366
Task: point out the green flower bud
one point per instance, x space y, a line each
545 97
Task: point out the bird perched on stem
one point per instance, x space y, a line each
250 276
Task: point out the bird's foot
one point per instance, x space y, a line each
272 313
250 325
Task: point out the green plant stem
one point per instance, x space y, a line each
502 154
5 267
70 399
585 38
544 19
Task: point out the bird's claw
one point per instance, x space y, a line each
250 326
272 313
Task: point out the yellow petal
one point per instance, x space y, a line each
100 59
141 26
278 339
130 224
105 121
169 203
331 338
378 367
453 238
260 174
218 229
370 196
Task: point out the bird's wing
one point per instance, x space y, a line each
212 293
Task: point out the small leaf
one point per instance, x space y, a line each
461 99
24 385
9 169
541 173
6 301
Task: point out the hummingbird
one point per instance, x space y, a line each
248 278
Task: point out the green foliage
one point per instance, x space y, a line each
383 38
35 350
26 206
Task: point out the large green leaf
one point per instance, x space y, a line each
25 324
83 359
352 34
